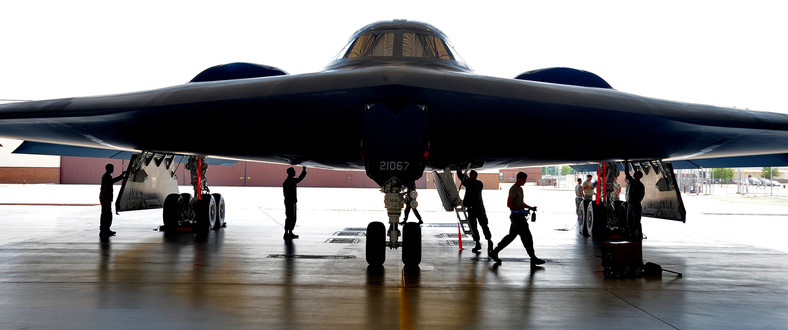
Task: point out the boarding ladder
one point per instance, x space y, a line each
450 196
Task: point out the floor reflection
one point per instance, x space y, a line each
375 306
289 312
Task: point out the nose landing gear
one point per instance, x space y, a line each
394 201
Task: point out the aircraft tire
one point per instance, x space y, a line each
591 213
621 214
173 205
206 214
376 243
411 244
581 222
219 223
187 197
596 220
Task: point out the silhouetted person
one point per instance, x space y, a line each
105 197
579 198
635 193
410 204
289 189
519 224
476 212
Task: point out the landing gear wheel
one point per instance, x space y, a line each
376 243
596 220
187 197
219 223
411 244
206 214
581 221
173 206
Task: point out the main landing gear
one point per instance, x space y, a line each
200 213
595 217
376 231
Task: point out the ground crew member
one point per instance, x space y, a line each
411 204
519 224
105 198
476 212
635 193
588 188
579 198
289 190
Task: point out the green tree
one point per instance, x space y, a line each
766 170
566 170
723 174
549 170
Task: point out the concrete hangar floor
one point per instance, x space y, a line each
55 273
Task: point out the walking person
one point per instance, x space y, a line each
106 194
410 203
476 212
289 187
519 210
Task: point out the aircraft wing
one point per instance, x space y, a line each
290 119
320 118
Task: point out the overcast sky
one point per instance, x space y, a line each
725 53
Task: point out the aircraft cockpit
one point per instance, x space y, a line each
399 42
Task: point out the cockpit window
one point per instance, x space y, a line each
407 44
421 45
372 44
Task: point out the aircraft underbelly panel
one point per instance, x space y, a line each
394 142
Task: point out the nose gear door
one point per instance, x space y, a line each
395 142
